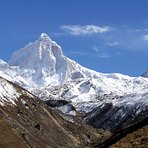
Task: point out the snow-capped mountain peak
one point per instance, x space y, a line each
44 37
41 65
43 51
43 62
48 47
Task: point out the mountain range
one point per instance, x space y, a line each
110 102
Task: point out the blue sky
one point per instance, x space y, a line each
104 35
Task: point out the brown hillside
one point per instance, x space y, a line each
137 139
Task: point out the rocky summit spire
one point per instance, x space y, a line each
40 53
44 37
43 59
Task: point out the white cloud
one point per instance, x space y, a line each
112 44
145 37
85 29
103 55
98 54
58 34
95 49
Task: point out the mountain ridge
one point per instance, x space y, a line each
42 68
107 101
44 59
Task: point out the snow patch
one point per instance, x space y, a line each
8 94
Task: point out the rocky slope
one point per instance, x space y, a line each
132 136
25 121
137 139
127 110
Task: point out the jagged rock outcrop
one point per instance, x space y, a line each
145 74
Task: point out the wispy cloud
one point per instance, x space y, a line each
112 44
129 38
103 55
96 53
115 38
84 29
58 34
95 49
100 53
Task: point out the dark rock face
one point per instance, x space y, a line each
62 105
113 118
37 126
56 103
145 74
132 136
59 103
